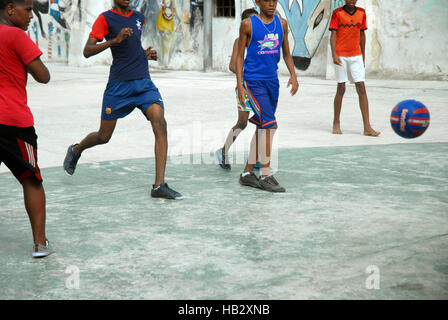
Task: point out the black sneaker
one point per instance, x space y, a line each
223 160
163 191
250 180
270 184
70 161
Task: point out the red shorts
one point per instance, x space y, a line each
18 150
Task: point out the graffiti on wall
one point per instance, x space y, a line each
51 25
308 22
171 26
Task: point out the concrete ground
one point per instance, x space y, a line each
362 218
200 110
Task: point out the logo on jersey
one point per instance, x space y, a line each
139 25
269 44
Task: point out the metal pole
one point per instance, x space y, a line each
208 32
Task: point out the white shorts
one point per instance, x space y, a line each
352 70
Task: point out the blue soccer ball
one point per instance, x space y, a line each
410 119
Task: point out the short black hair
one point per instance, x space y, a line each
246 13
4 3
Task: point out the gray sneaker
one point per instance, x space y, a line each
70 161
270 184
163 191
223 160
250 180
40 251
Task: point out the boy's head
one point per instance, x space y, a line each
267 7
351 3
17 12
248 13
122 3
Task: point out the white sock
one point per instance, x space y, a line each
245 174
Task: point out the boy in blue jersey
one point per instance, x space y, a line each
263 35
129 87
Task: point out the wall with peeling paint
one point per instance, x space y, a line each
405 39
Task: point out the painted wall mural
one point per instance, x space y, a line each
51 25
171 26
308 22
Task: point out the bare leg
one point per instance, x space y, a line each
241 124
155 114
337 108
266 138
364 105
253 153
102 136
34 198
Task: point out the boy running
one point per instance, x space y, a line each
348 44
262 34
18 140
129 87
243 112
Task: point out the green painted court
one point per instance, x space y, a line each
347 212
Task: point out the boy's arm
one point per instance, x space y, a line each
245 33
333 37
38 70
363 46
287 57
232 64
92 48
151 53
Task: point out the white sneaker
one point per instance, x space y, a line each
40 251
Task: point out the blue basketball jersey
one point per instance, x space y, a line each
263 53
129 58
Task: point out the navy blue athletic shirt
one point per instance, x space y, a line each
129 58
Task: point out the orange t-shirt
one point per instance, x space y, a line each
348 29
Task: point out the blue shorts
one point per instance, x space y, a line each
122 97
263 96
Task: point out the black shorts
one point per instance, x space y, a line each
18 150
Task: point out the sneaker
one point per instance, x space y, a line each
258 166
250 180
223 160
163 191
40 251
70 161
270 184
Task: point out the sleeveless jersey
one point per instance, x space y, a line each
263 53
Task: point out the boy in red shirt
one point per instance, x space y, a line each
348 42
18 140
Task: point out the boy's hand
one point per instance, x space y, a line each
242 96
295 85
337 60
124 33
151 54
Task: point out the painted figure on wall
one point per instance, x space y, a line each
63 12
308 21
52 18
172 26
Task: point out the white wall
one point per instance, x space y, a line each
405 39
408 38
